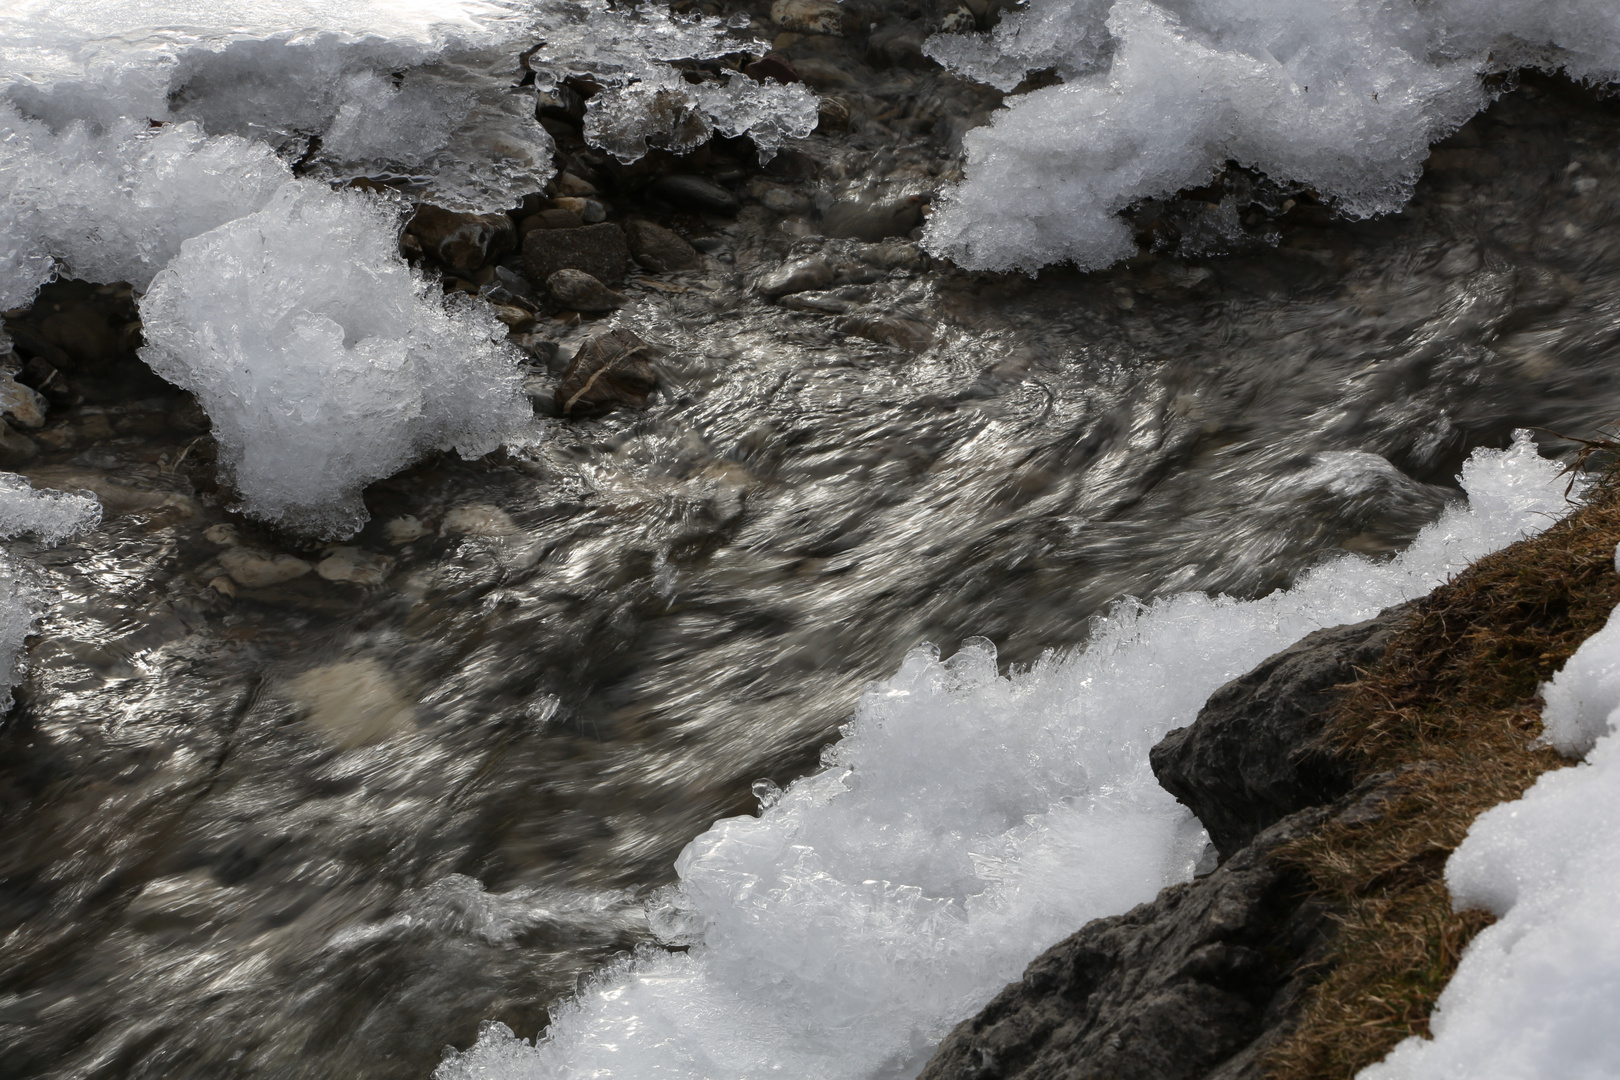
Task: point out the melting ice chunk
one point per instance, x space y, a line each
51 516
1343 97
323 360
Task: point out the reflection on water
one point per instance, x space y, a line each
323 828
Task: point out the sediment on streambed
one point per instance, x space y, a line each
1337 779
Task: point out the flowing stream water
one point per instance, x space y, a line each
322 828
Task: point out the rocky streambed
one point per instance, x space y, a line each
291 808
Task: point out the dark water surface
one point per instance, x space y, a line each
323 829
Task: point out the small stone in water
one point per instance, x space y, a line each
908 334
659 249
23 404
610 370
15 447
809 16
695 193
554 218
355 566
260 569
404 529
580 291
799 276
462 242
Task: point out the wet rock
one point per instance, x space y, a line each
832 115
402 530
599 250
809 16
22 405
48 381
478 519
873 221
659 249
819 303
695 193
463 243
354 566
913 335
589 211
1256 753
15 447
801 275
566 183
1196 984
580 291
554 217
777 198
772 66
613 370
254 569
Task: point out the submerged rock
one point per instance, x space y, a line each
659 249
613 370
254 569
799 276
598 250
809 16
578 290
913 335
695 193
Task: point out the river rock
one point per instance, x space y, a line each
599 250
809 16
872 221
554 217
800 275
1188 987
659 249
580 291
463 243
15 447
612 370
22 405
1256 753
695 193
254 569
913 335
355 566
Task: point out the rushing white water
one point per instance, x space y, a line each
965 821
1344 98
50 517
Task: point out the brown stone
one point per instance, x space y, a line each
551 218
580 291
599 250
909 334
659 249
612 370
463 243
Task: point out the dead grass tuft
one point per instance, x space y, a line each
1452 711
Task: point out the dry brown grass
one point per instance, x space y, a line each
1452 707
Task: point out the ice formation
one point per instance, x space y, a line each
323 360
966 821
644 101
1533 998
51 517
1344 98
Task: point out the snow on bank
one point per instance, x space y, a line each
1535 993
323 360
1343 97
965 822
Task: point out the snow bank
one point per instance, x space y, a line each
323 360
965 822
1345 98
50 516
1535 993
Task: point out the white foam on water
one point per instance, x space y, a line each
50 517
966 821
322 359
1343 97
1534 995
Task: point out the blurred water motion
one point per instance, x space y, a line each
320 829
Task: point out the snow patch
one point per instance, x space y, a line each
322 359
